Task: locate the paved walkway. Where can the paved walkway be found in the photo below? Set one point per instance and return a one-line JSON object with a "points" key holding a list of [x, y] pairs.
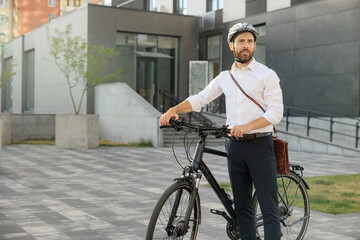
{"points": [[109, 193]]}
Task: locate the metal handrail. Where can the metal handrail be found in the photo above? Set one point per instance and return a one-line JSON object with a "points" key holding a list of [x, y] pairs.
{"points": [[290, 111], [166, 95]]}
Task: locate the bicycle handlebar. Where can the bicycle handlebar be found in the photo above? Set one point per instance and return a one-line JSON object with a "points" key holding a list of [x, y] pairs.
{"points": [[178, 125]]}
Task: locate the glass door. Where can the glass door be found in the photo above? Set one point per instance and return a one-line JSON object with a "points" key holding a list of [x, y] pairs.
{"points": [[147, 79]]}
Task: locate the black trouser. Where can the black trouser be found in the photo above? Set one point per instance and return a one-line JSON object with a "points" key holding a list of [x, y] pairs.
{"points": [[253, 161]]}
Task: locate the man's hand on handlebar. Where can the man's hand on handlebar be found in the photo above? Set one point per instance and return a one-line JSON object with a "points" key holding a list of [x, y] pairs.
{"points": [[239, 130], [165, 118]]}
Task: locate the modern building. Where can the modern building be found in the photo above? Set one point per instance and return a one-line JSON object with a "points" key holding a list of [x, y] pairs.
{"points": [[17, 17], [6, 21], [180, 45]]}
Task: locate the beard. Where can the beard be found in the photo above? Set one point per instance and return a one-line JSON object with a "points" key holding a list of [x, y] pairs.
{"points": [[243, 56]]}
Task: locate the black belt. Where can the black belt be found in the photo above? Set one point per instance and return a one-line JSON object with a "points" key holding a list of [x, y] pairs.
{"points": [[248, 137]]}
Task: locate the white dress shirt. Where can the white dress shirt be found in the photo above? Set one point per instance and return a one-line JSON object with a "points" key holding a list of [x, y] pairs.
{"points": [[259, 82]]}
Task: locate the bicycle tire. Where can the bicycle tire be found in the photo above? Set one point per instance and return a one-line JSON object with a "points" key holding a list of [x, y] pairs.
{"points": [[289, 184], [158, 224]]}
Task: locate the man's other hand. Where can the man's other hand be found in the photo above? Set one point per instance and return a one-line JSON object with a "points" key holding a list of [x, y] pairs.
{"points": [[165, 118]]}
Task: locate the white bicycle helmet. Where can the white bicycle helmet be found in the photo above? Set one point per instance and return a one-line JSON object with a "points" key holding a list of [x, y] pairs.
{"points": [[241, 27]]}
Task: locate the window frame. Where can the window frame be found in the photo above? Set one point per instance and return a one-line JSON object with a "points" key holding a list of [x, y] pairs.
{"points": [[50, 16], [180, 7], [51, 3], [210, 6]]}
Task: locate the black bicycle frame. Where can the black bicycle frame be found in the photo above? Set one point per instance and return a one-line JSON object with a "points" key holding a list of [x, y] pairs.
{"points": [[220, 193]]}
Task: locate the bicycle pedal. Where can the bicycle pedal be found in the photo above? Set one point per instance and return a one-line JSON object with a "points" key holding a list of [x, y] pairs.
{"points": [[217, 212]]}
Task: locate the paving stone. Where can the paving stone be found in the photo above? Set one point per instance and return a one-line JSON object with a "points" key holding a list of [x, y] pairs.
{"points": [[109, 193]]}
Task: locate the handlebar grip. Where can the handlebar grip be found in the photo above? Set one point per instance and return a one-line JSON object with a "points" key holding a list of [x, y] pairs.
{"points": [[172, 120], [164, 126]]}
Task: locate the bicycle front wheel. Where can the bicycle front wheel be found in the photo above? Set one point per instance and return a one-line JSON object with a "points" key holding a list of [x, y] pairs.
{"points": [[294, 208], [167, 219]]}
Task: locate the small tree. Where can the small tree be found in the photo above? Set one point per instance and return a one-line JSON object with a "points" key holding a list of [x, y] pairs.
{"points": [[6, 75], [80, 62]]}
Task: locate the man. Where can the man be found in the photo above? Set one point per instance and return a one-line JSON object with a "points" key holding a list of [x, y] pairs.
{"points": [[251, 158]]}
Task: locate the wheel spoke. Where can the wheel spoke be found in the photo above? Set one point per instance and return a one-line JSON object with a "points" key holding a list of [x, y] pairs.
{"points": [[167, 220], [294, 208]]}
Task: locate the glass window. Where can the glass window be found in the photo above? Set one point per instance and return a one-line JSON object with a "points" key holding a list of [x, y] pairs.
{"points": [[2, 38], [180, 7], [261, 29], [150, 5], [30, 65], [51, 16], [160, 5], [214, 59], [4, 3], [260, 51], [213, 5], [126, 60], [146, 43], [52, 3], [107, 2], [7, 89], [149, 64], [213, 47], [77, 3]]}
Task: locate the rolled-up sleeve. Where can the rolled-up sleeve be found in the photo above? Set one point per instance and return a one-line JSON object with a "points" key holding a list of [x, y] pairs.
{"points": [[211, 92], [273, 99]]}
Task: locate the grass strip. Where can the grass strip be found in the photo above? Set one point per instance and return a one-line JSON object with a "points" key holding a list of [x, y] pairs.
{"points": [[34, 142], [337, 194]]}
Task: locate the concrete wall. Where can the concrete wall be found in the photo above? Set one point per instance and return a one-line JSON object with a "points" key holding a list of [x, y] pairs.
{"points": [[6, 130], [313, 145], [32, 126], [196, 7], [125, 116], [272, 5], [231, 13]]}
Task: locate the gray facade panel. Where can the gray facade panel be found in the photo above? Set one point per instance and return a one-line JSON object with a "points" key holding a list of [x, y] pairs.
{"points": [[339, 58], [328, 29], [282, 61], [255, 7], [280, 36], [317, 8], [280, 16], [334, 93]]}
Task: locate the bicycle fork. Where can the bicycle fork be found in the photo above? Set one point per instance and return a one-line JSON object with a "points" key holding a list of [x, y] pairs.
{"points": [[191, 201]]}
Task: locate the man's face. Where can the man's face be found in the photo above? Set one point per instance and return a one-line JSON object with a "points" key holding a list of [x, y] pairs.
{"points": [[243, 46]]}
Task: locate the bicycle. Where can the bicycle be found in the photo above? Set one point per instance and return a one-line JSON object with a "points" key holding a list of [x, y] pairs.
{"points": [[177, 214]]}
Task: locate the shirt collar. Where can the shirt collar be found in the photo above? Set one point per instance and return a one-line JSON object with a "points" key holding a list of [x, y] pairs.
{"points": [[251, 66]]}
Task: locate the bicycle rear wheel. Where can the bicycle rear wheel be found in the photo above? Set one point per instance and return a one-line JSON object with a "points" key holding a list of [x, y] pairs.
{"points": [[167, 218], [294, 208]]}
